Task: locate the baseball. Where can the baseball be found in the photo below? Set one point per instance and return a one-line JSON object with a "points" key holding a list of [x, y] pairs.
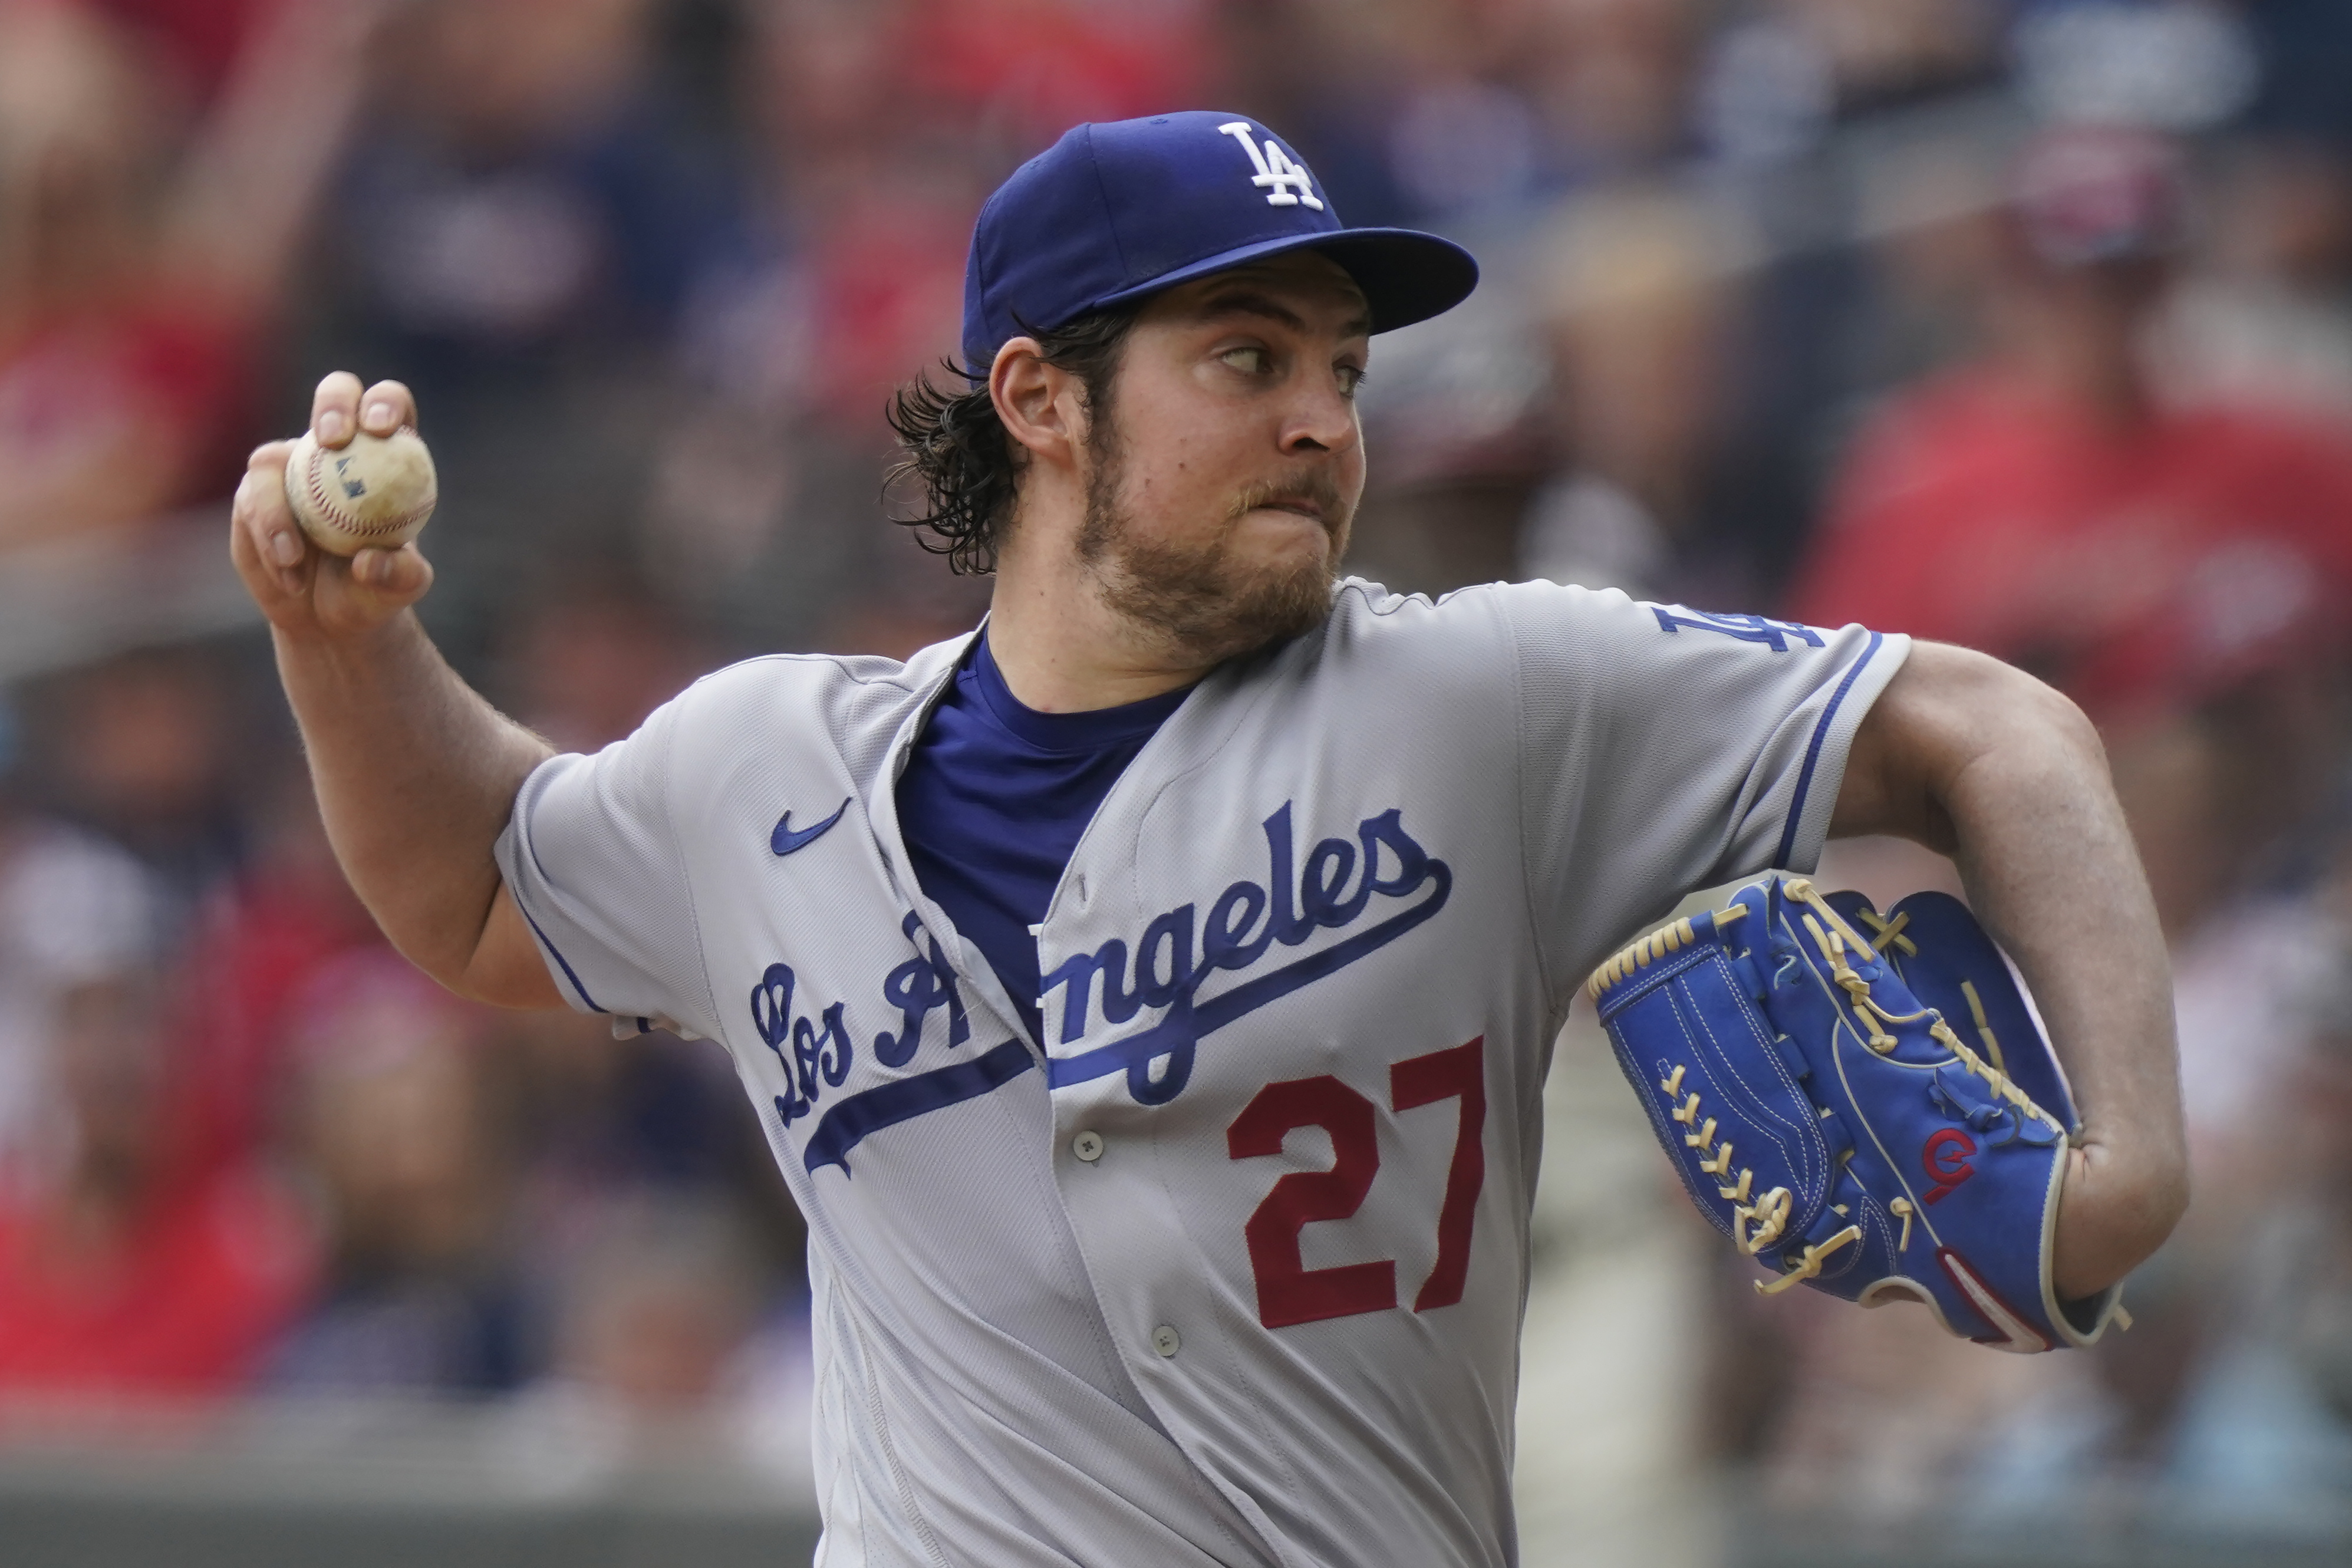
{"points": [[375, 492]]}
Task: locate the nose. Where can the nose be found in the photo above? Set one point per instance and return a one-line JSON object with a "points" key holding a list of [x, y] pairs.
{"points": [[1319, 418]]}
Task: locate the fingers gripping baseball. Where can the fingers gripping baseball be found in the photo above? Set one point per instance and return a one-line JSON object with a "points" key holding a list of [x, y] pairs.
{"points": [[302, 587], [340, 407]]}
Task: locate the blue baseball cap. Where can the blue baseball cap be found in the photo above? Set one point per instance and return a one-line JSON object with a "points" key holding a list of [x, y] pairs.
{"points": [[1121, 209]]}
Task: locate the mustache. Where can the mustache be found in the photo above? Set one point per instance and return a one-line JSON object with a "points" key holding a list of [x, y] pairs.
{"points": [[1316, 490]]}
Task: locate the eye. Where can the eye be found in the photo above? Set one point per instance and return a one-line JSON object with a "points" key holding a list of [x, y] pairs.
{"points": [[1352, 379], [1248, 361]]}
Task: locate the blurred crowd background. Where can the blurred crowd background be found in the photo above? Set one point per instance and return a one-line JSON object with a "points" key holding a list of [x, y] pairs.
{"points": [[2020, 323]]}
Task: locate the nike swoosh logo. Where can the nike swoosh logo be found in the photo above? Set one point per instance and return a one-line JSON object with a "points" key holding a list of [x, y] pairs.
{"points": [[784, 840]]}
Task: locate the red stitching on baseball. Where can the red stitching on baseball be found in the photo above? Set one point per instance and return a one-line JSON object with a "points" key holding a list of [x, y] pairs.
{"points": [[334, 513]]}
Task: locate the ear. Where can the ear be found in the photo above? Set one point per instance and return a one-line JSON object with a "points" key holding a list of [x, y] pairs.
{"points": [[1041, 405]]}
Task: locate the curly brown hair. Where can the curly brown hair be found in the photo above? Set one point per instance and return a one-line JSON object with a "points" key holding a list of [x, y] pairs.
{"points": [[957, 448]]}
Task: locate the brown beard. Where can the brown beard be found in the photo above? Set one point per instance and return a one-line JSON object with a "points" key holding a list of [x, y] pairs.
{"points": [[1192, 595]]}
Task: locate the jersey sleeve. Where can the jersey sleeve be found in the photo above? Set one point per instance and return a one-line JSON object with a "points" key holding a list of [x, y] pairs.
{"points": [[594, 866], [1664, 749]]}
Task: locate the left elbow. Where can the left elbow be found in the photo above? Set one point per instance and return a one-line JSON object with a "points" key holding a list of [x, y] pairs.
{"points": [[2060, 720], [2149, 1190], [2006, 707]]}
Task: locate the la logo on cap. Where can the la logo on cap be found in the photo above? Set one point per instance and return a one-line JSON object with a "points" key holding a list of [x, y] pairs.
{"points": [[1121, 209], [1286, 183]]}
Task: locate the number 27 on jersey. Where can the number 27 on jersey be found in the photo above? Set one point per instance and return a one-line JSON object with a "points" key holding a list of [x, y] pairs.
{"points": [[1287, 1291]]}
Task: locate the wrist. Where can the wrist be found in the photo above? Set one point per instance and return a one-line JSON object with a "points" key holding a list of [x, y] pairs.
{"points": [[346, 651]]}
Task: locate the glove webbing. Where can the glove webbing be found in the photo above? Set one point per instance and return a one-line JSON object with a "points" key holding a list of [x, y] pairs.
{"points": [[1834, 943], [1890, 935]]}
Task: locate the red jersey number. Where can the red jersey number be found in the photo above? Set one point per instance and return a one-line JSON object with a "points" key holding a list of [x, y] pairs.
{"points": [[1287, 1291]]}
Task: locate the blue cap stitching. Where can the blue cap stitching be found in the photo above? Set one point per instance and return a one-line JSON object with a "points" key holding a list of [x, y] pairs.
{"points": [[1110, 217]]}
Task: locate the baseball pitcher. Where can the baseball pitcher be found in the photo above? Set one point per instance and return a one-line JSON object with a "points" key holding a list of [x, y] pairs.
{"points": [[1148, 994]]}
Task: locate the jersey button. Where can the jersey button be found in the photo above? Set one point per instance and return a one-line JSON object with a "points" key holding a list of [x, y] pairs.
{"points": [[1087, 1146], [1166, 1340]]}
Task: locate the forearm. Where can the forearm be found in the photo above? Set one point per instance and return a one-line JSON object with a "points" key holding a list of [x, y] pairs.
{"points": [[415, 776], [2005, 775], [2051, 871]]}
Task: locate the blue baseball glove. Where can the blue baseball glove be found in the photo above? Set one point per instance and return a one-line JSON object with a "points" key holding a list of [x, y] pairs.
{"points": [[1803, 1078]]}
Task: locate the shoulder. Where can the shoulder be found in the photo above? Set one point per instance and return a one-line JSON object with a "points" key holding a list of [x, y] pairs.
{"points": [[1365, 612], [1395, 643], [1514, 623], [1537, 623], [837, 692], [1470, 647], [788, 714], [808, 678]]}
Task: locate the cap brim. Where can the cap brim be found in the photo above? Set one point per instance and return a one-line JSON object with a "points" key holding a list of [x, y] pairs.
{"points": [[1406, 276]]}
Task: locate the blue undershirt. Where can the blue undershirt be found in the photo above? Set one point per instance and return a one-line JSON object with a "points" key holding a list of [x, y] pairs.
{"points": [[994, 798]]}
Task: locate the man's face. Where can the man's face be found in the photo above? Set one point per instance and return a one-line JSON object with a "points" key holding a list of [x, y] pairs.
{"points": [[1227, 464]]}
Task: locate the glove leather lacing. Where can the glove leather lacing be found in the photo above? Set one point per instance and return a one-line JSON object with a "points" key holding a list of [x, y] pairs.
{"points": [[1768, 1213], [1841, 938]]}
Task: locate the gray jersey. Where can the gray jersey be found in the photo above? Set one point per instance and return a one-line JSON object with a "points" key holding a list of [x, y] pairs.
{"points": [[1231, 1270]]}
